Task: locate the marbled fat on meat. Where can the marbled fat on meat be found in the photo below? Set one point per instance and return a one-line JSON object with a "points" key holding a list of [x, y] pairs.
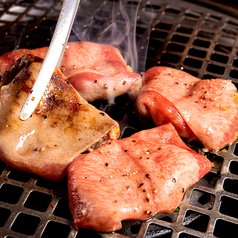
{"points": [[204, 110], [132, 179], [97, 71], [62, 126]]}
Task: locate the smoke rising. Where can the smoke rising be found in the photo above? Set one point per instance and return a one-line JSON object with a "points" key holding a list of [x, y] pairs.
{"points": [[113, 23]]}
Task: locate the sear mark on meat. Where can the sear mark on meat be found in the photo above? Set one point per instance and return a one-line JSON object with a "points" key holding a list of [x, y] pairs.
{"points": [[62, 126]]}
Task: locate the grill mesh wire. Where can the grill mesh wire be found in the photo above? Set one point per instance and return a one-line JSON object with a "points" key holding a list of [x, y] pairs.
{"points": [[183, 35]]}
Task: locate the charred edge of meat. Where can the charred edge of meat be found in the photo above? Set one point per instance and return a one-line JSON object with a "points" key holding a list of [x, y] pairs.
{"points": [[56, 101], [61, 84], [20, 64], [102, 141]]}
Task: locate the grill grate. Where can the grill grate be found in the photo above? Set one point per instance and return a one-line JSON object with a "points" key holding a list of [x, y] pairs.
{"points": [[186, 36]]}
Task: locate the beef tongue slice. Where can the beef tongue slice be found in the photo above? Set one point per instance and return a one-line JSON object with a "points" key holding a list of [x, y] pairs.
{"points": [[97, 71], [62, 126], [132, 179], [204, 110]]}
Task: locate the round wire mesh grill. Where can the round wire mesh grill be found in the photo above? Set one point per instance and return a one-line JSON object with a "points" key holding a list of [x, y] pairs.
{"points": [[180, 34]]}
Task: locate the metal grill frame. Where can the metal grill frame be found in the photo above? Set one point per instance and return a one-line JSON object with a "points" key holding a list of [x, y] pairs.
{"points": [[190, 36]]}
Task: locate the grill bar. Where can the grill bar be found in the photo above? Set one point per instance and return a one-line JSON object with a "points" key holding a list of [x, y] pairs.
{"points": [[197, 37]]}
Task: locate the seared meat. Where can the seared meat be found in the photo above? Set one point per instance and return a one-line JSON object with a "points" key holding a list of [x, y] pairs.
{"points": [[62, 126], [203, 110], [97, 71], [132, 179]]}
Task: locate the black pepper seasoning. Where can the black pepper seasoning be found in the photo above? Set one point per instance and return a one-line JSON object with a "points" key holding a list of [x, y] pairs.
{"points": [[54, 98], [141, 184], [148, 176]]}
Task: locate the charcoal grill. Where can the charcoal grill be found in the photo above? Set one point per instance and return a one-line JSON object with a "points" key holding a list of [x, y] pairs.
{"points": [[199, 37]]}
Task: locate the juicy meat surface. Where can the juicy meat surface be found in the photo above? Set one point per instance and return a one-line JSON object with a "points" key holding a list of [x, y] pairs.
{"points": [[132, 179], [204, 110], [62, 126], [97, 71]]}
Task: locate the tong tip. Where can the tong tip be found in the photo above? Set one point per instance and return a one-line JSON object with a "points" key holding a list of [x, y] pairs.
{"points": [[23, 116], [27, 110]]}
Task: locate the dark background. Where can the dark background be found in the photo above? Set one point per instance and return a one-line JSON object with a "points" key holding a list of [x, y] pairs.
{"points": [[230, 3]]}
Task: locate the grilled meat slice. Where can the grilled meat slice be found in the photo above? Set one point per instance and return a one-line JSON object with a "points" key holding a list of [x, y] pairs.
{"points": [[204, 110], [132, 178], [97, 71], [62, 126]]}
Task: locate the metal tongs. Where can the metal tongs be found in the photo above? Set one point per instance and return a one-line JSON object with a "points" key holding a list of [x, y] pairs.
{"points": [[53, 56]]}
